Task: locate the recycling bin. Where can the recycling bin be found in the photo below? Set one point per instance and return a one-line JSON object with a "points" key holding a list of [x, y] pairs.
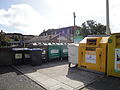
{"points": [[113, 59], [73, 54], [44, 46], [18, 56], [93, 53], [26, 55], [63, 51], [53, 51], [36, 54]]}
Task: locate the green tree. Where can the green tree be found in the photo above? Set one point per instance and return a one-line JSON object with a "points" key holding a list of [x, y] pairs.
{"points": [[4, 40], [91, 27]]}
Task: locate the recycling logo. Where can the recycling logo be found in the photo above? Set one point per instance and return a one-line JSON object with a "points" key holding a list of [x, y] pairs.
{"points": [[77, 32]]}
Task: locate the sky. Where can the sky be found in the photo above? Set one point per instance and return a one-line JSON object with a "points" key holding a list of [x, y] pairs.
{"points": [[34, 16]]}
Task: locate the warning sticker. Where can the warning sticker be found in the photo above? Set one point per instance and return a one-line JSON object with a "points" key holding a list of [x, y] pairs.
{"points": [[117, 60], [90, 57]]}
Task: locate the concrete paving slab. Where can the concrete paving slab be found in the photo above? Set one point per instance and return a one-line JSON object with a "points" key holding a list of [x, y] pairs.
{"points": [[69, 82], [61, 87], [50, 82], [55, 71], [59, 76], [38, 76]]}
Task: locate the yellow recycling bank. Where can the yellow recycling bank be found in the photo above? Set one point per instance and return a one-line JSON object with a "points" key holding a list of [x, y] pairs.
{"points": [[92, 53], [101, 54], [113, 59]]}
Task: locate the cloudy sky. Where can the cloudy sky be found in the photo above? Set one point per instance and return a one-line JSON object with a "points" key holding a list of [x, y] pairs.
{"points": [[33, 16]]}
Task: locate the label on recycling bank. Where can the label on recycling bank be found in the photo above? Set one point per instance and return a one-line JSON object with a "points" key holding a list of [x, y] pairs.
{"points": [[117, 60], [18, 56], [65, 50], [54, 51], [90, 57], [27, 55]]}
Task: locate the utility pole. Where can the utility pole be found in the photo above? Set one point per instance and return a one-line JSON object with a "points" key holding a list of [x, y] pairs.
{"points": [[59, 33], [74, 16], [108, 32]]}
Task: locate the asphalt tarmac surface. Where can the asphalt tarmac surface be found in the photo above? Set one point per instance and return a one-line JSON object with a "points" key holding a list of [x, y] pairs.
{"points": [[11, 79]]}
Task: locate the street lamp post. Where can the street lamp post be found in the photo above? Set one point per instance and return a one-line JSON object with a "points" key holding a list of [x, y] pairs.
{"points": [[108, 32]]}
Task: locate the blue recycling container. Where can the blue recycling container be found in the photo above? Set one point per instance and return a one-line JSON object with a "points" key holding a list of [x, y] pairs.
{"points": [[18, 56], [36, 54]]}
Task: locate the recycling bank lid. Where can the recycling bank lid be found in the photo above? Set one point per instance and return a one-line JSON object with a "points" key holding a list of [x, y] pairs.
{"points": [[17, 49], [36, 49]]}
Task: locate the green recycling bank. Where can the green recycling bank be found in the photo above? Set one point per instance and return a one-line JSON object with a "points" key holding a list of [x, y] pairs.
{"points": [[53, 51]]}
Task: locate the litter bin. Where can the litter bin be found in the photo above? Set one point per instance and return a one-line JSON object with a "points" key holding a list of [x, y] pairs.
{"points": [[18, 56], [53, 51], [113, 59], [73, 54], [26, 55], [92, 53], [36, 54], [63, 51]]}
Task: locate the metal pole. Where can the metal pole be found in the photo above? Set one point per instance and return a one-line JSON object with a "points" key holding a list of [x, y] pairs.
{"points": [[74, 25], [59, 33], [59, 37], [108, 32]]}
